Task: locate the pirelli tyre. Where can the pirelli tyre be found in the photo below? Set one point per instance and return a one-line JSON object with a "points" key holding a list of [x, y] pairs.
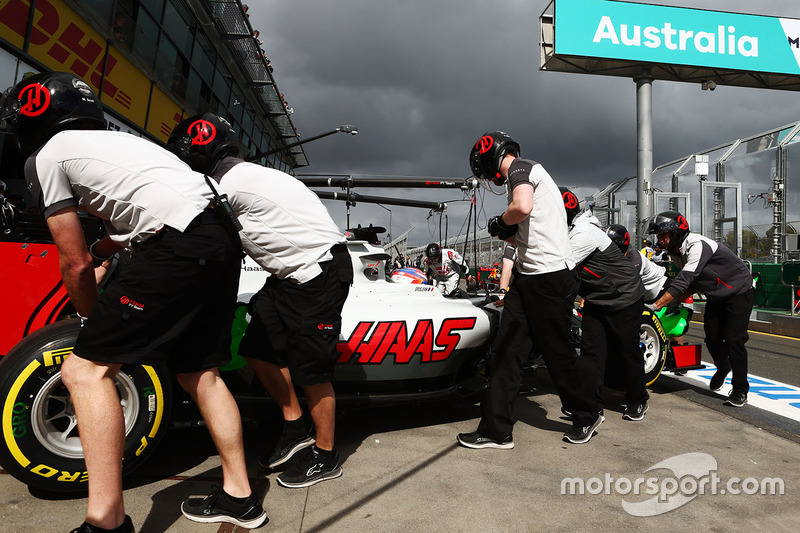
{"points": [[40, 444], [653, 345]]}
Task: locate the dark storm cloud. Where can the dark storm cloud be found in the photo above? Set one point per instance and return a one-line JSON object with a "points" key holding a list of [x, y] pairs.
{"points": [[422, 80]]}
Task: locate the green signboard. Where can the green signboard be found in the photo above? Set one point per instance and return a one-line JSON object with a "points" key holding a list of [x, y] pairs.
{"points": [[678, 36]]}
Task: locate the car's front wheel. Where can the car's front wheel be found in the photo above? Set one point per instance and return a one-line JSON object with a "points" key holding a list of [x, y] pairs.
{"points": [[653, 344], [40, 442]]}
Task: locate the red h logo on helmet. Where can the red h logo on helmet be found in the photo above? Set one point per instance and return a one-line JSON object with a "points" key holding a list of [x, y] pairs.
{"points": [[570, 200], [202, 132], [484, 144], [682, 223], [34, 100]]}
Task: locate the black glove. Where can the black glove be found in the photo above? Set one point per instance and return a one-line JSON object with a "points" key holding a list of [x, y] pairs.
{"points": [[498, 228], [6, 215]]}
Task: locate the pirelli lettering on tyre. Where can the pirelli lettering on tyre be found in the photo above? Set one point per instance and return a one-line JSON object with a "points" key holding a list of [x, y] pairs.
{"points": [[141, 448], [657, 323], [60, 475], [371, 342], [56, 357]]}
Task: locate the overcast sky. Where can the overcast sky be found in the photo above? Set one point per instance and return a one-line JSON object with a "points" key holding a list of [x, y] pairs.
{"points": [[423, 79]]}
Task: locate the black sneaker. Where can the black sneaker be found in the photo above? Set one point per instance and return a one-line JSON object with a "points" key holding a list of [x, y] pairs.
{"points": [[477, 441], [635, 411], [582, 434], [125, 527], [310, 468], [220, 507], [288, 444], [718, 379], [568, 414], [736, 399]]}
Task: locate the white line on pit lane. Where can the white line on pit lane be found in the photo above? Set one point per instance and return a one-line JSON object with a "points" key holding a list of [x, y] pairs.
{"points": [[773, 396]]}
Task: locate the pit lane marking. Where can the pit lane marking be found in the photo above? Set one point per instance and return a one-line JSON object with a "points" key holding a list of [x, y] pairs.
{"points": [[756, 332], [770, 395]]}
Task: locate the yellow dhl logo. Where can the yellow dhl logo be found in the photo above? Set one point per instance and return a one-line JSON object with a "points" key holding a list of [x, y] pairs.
{"points": [[56, 357]]}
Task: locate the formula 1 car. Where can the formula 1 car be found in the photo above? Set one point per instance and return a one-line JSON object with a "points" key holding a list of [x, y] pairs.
{"points": [[399, 342]]}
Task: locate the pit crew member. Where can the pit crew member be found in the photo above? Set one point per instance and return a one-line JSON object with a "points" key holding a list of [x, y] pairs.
{"points": [[444, 268], [612, 291], [716, 271], [538, 306], [297, 313]]}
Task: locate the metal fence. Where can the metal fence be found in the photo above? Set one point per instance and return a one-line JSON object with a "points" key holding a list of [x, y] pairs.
{"points": [[744, 194]]}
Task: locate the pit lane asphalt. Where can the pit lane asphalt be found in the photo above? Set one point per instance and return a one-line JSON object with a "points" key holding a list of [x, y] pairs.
{"points": [[404, 472]]}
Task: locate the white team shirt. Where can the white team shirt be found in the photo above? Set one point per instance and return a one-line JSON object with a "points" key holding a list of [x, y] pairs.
{"points": [[285, 227], [542, 239], [451, 264], [653, 276], [133, 185]]}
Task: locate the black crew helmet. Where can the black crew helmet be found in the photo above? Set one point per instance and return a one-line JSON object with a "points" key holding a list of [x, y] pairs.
{"points": [[433, 251], [620, 236], [41, 105], [201, 141], [571, 204], [671, 222], [487, 154]]}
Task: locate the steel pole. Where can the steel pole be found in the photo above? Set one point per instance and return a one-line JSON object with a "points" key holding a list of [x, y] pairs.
{"points": [[644, 151]]}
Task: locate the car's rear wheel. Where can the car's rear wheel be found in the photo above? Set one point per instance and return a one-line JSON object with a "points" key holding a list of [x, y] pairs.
{"points": [[40, 442]]}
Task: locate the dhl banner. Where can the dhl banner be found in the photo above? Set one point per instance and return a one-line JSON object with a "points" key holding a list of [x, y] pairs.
{"points": [[63, 41], [164, 114]]}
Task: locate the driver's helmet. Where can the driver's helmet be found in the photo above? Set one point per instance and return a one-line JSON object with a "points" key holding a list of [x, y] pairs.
{"points": [[620, 236], [433, 252], [673, 223], [41, 105], [201, 141], [414, 276], [571, 204], [487, 154]]}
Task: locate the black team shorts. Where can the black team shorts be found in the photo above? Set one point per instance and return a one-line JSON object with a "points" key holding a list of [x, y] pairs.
{"points": [[298, 325], [173, 302]]}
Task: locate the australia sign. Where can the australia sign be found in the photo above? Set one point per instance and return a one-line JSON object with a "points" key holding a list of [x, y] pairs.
{"points": [[644, 33]]}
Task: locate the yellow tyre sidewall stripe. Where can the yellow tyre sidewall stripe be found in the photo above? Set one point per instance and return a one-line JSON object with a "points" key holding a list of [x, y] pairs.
{"points": [[159, 399], [8, 411]]}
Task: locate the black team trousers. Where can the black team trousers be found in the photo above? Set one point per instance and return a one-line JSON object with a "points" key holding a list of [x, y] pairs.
{"points": [[537, 315]]}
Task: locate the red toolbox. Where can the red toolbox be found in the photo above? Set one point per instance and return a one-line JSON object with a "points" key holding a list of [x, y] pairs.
{"points": [[687, 356]]}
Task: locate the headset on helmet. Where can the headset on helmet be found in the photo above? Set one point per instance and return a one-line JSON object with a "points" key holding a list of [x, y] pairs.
{"points": [[41, 105], [571, 204], [620, 236], [433, 251], [202, 141], [487, 154], [673, 223]]}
